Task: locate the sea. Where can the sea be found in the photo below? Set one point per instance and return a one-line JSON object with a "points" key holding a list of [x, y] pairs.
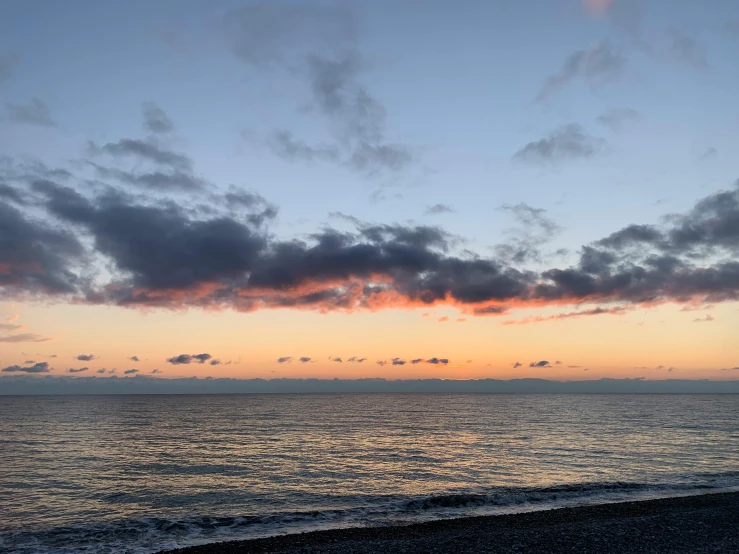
{"points": [[144, 473]]}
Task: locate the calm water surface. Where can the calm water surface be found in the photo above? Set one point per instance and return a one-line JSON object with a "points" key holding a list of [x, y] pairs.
{"points": [[141, 473]]}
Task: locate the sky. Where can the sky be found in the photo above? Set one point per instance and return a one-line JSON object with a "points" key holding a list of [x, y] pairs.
{"points": [[405, 190]]}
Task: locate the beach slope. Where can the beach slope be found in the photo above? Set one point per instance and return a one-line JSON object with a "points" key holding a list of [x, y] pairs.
{"points": [[695, 524]]}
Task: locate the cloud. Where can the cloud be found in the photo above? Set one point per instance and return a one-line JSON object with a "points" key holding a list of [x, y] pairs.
{"points": [[709, 154], [574, 366], [517, 365], [40, 367], [215, 362], [284, 360], [36, 112], [23, 337], [597, 65], [145, 151], [568, 142], [189, 358], [357, 360], [437, 361], [708, 318], [437, 209], [686, 50], [398, 361], [86, 357], [164, 254], [155, 371], [101, 370], [443, 319], [618, 118], [526, 240], [155, 119], [130, 371], [318, 46], [304, 359], [618, 310], [79, 370], [417, 361], [558, 362], [337, 360], [542, 363], [134, 359], [381, 362]]}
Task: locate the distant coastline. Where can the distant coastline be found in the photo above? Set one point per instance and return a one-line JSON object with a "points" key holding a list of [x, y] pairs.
{"points": [[28, 385]]}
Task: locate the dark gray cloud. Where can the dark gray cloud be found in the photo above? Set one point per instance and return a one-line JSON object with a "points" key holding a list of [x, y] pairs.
{"points": [[164, 254], [438, 209], [155, 371], [134, 359], [541, 363], [284, 360], [337, 360], [356, 360], [568, 142], [101, 370], [153, 181], [597, 65], [189, 358], [318, 45], [253, 207], [398, 361], [78, 370], [40, 367], [305, 359], [11, 194], [130, 372], [417, 361], [215, 362], [438, 361], [686, 50], [86, 357], [517, 365], [155, 119], [36, 112], [616, 119]]}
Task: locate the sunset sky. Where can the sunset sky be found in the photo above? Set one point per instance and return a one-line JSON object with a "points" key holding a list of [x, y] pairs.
{"points": [[530, 188]]}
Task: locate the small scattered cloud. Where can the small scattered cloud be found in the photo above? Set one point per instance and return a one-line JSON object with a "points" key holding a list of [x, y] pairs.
{"points": [[443, 319], [574, 366], [461, 319], [437, 361], [517, 365], [78, 370], [36, 112], [597, 65], [101, 370], [437, 209], [130, 372], [354, 359], [381, 362], [686, 50], [618, 118], [285, 360], [569, 142], [558, 362], [24, 337], [184, 359], [398, 361], [86, 357], [40, 367], [155, 119], [709, 154], [542, 363], [155, 371], [305, 359], [215, 362], [705, 319], [134, 359], [337, 360]]}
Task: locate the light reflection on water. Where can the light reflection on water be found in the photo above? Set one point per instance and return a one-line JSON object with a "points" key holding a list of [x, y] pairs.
{"points": [[75, 460]]}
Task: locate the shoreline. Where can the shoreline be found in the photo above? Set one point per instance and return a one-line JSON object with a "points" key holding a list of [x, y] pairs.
{"points": [[697, 523]]}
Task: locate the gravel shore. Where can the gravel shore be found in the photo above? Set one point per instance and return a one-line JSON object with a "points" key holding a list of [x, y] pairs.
{"points": [[695, 524]]}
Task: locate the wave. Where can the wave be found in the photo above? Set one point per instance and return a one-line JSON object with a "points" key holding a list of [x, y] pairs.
{"points": [[146, 535]]}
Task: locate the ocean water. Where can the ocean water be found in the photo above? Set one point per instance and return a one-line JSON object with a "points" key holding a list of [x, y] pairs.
{"points": [[144, 473]]}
